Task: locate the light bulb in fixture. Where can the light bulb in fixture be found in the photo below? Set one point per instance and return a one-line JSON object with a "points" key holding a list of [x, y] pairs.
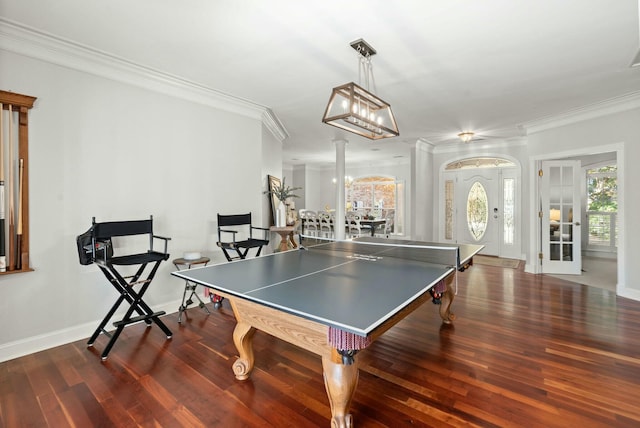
{"points": [[362, 103], [466, 136]]}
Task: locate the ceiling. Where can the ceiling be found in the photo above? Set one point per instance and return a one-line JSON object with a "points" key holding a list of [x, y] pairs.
{"points": [[445, 66]]}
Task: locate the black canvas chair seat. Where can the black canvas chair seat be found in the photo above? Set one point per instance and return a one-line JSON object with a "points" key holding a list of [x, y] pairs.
{"points": [[242, 245], [95, 246], [136, 259]]}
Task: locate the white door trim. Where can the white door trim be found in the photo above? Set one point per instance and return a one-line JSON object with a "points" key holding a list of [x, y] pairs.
{"points": [[533, 264], [514, 250]]}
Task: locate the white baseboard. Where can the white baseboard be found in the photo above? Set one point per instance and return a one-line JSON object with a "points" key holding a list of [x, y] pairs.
{"points": [[531, 268], [20, 348], [629, 293]]}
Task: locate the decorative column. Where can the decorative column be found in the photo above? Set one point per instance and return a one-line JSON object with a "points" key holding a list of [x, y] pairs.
{"points": [[340, 206]]}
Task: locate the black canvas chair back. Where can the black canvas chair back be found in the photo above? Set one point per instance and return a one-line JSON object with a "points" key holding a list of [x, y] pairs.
{"points": [[96, 246], [104, 232], [236, 233]]}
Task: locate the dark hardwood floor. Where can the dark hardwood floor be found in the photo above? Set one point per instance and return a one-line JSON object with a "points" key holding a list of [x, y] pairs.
{"points": [[524, 351]]}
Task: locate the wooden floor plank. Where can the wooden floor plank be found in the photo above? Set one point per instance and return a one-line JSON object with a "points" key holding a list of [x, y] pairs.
{"points": [[525, 350]]}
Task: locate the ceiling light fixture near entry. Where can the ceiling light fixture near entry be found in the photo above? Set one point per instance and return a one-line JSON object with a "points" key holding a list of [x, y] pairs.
{"points": [[466, 136], [355, 109]]}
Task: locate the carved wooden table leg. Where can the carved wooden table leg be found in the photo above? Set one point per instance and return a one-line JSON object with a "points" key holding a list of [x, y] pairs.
{"points": [[447, 299], [242, 337], [340, 380], [292, 240]]}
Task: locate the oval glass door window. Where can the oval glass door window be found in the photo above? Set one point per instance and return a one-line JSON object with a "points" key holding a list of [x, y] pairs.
{"points": [[477, 211]]}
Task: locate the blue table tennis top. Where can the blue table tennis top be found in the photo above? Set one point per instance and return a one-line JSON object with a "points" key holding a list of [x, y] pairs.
{"points": [[347, 285]]}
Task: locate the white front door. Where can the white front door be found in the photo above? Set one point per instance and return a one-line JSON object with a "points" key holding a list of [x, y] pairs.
{"points": [[481, 205], [560, 214], [479, 209]]}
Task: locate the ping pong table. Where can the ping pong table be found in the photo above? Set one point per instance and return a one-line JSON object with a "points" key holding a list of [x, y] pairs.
{"points": [[333, 299]]}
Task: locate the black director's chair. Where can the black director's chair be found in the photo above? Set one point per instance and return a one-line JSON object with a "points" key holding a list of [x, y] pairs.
{"points": [[95, 247], [228, 228]]}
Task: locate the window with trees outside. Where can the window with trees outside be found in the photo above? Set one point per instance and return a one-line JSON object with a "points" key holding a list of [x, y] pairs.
{"points": [[602, 208], [377, 196]]}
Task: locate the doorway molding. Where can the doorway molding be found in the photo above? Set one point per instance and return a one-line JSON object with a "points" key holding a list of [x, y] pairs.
{"points": [[533, 263], [518, 250]]}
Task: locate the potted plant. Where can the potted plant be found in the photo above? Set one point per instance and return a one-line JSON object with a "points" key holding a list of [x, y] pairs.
{"points": [[282, 192]]}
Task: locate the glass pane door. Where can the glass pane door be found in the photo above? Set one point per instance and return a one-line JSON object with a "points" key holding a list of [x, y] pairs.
{"points": [[560, 188]]}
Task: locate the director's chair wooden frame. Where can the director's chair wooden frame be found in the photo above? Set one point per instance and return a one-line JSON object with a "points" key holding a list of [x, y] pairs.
{"points": [[102, 256]]}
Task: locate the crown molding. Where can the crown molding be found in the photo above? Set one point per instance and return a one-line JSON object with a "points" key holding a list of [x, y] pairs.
{"points": [[480, 145], [425, 145], [33, 43], [603, 108], [273, 124]]}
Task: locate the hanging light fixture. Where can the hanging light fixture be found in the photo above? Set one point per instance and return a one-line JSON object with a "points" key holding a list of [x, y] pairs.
{"points": [[348, 180], [353, 108], [466, 136]]}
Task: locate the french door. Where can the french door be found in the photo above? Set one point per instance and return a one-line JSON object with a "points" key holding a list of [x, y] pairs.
{"points": [[560, 217]]}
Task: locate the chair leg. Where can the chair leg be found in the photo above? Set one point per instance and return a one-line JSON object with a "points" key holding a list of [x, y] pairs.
{"points": [[226, 254], [185, 302], [190, 287], [201, 303], [104, 322], [117, 283], [149, 314], [127, 292], [112, 341]]}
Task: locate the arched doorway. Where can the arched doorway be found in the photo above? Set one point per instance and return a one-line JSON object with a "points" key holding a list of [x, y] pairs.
{"points": [[480, 204]]}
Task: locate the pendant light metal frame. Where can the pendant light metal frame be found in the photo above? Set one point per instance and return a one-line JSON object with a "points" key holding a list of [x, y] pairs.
{"points": [[354, 108]]}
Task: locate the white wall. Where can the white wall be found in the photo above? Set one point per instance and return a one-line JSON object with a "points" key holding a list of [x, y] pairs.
{"points": [[107, 149], [319, 189], [271, 165], [605, 134], [298, 179]]}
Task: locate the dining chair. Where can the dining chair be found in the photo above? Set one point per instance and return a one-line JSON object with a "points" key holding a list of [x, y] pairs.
{"points": [[353, 224], [310, 222], [325, 224]]}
